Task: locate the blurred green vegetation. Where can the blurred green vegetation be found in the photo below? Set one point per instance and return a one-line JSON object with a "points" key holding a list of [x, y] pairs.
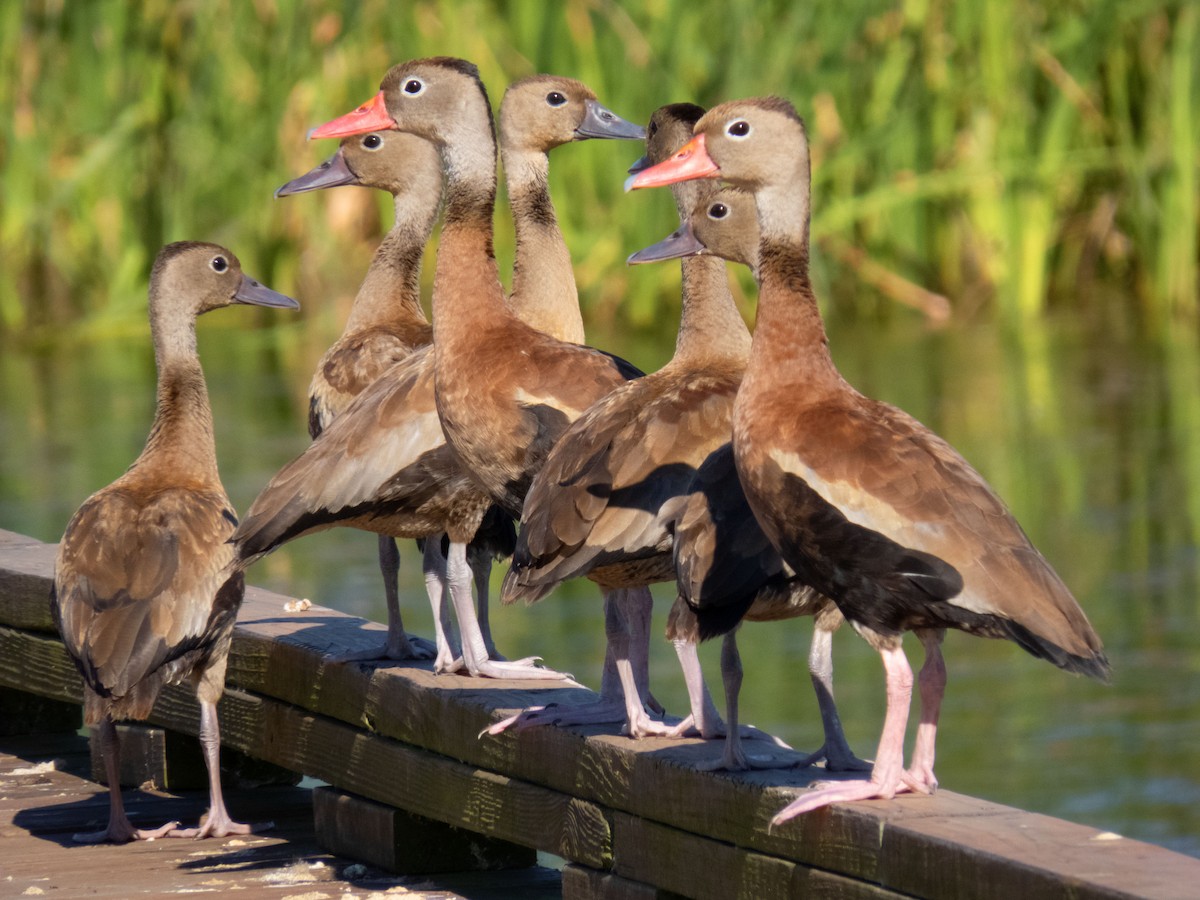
{"points": [[1008, 154]]}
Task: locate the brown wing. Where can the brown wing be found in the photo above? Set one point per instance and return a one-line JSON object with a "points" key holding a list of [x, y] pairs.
{"points": [[886, 472], [503, 428], [383, 465], [352, 364], [607, 491], [135, 579]]}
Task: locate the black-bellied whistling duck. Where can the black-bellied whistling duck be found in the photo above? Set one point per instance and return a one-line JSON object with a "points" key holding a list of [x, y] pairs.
{"points": [[725, 567], [538, 114], [145, 587], [865, 503], [386, 466], [505, 391], [386, 322], [602, 504]]}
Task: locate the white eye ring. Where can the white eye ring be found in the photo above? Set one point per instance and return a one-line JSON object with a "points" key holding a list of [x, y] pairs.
{"points": [[718, 211], [219, 264], [738, 130], [372, 142], [414, 87]]}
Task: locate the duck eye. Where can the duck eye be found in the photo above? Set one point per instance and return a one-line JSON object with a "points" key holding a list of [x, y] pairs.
{"points": [[718, 211], [372, 142], [738, 129], [414, 86], [653, 129], [555, 98], [219, 264]]}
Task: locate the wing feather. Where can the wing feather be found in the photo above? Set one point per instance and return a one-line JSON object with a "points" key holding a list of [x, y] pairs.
{"points": [[886, 472], [609, 487], [135, 580]]}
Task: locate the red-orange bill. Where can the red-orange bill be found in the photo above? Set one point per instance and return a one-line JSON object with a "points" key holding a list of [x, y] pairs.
{"points": [[371, 116], [690, 161]]}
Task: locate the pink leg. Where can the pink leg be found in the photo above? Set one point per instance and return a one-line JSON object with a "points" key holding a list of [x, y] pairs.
{"points": [[481, 570], [887, 775], [704, 718], [624, 692], [611, 705], [633, 662], [932, 683], [433, 565], [475, 653], [119, 829], [217, 823], [615, 632]]}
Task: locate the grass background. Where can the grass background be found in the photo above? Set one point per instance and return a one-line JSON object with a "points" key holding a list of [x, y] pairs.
{"points": [[1008, 154]]}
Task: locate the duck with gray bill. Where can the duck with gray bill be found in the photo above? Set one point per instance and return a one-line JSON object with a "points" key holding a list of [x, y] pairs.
{"points": [[146, 583]]}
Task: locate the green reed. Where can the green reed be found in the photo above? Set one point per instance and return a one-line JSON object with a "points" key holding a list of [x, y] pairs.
{"points": [[1007, 154]]}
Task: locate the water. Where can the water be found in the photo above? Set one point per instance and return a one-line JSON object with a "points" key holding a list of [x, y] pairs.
{"points": [[1088, 429]]}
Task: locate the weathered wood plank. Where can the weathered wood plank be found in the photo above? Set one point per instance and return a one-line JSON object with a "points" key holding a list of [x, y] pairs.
{"points": [[416, 780], [1013, 853], [398, 841], [286, 862], [284, 656], [24, 713], [38, 664], [653, 778], [699, 867], [26, 573], [582, 883]]}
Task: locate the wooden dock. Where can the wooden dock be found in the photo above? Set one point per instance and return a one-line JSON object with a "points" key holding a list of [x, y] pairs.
{"points": [[633, 819], [45, 796]]}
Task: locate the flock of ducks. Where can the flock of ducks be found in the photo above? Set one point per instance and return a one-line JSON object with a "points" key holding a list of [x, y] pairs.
{"points": [[746, 469]]}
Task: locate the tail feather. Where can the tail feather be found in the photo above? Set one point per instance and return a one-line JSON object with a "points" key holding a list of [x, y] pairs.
{"points": [[1094, 666], [259, 535], [512, 590]]}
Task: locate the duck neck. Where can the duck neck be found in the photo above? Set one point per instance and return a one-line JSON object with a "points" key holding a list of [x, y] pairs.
{"points": [[790, 345], [391, 291], [544, 293], [467, 295], [182, 434], [710, 326]]}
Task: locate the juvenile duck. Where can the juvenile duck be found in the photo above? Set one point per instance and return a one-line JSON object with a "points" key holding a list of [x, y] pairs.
{"points": [[602, 504], [386, 322], [145, 586], [538, 114]]}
